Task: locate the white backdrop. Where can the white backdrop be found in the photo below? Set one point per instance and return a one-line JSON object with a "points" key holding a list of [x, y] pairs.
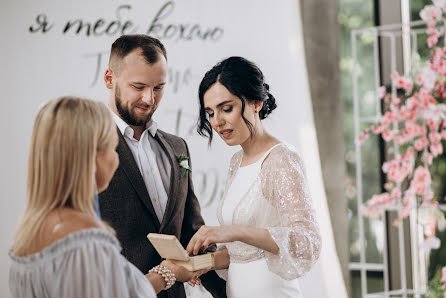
{"points": [[54, 48]]}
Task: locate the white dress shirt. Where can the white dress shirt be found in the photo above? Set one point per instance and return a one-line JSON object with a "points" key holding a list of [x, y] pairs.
{"points": [[152, 162]]}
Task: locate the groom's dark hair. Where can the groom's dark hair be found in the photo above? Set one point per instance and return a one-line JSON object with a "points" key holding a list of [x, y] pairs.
{"points": [[151, 49]]}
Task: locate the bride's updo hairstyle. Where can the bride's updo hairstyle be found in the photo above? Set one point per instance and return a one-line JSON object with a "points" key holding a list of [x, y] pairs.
{"points": [[243, 79]]}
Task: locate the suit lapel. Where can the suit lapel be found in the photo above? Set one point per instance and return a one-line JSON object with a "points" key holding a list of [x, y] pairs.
{"points": [[128, 164], [174, 178]]}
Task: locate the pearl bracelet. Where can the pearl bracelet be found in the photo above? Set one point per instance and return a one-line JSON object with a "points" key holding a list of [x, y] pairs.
{"points": [[166, 273]]}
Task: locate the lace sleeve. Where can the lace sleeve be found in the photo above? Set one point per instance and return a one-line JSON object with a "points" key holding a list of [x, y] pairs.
{"points": [[297, 233]]}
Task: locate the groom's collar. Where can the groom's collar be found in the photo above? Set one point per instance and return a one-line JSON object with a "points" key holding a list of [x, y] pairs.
{"points": [[152, 125]]}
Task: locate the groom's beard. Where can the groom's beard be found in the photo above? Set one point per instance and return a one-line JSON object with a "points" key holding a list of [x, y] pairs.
{"points": [[129, 116]]}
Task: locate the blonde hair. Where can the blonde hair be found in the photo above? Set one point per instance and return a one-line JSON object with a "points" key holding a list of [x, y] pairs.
{"points": [[66, 135]]}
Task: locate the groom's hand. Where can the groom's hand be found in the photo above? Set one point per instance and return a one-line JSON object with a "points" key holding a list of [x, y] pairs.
{"points": [[207, 236]]}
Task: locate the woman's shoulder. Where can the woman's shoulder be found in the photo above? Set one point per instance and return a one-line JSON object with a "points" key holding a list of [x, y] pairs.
{"points": [[236, 158], [283, 156], [74, 241], [64, 221], [61, 223], [283, 152], [73, 220]]}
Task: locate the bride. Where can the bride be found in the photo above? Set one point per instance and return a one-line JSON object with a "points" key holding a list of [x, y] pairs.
{"points": [[268, 235]]}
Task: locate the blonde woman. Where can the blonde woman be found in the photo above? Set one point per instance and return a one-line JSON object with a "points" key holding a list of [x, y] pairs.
{"points": [[62, 249]]}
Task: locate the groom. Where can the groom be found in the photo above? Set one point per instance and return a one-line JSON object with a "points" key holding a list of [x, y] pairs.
{"points": [[151, 192]]}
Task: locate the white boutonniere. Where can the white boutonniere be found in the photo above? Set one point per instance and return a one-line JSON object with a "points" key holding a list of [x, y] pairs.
{"points": [[183, 161]]}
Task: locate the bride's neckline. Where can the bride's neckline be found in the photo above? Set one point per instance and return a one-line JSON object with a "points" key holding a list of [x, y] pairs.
{"points": [[265, 154]]}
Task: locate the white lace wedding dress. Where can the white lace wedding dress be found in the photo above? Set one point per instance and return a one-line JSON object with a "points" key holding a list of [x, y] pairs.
{"points": [[271, 193]]}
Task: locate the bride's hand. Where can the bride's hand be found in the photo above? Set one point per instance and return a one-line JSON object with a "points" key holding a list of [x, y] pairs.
{"points": [[207, 236], [194, 282]]}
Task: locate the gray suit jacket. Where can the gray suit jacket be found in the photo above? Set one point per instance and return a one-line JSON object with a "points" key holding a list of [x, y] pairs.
{"points": [[127, 207]]}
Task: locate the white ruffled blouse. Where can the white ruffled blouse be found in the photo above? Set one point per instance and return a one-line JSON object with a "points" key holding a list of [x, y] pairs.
{"points": [[279, 201], [86, 264]]}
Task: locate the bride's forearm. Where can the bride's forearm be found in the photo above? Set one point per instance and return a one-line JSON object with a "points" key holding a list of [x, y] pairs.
{"points": [[257, 237], [221, 259]]}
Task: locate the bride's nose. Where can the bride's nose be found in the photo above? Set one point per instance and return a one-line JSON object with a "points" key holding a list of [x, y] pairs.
{"points": [[219, 119]]}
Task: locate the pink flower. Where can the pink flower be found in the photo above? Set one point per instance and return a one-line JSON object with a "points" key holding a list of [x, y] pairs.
{"points": [[435, 137], [393, 165], [411, 129], [440, 4], [385, 122], [410, 103], [425, 98], [441, 67], [382, 92], [408, 84], [364, 135], [397, 175], [429, 195], [366, 212], [421, 179], [388, 135], [432, 124], [429, 78], [415, 120], [443, 275], [407, 200], [432, 31], [419, 189], [404, 213], [408, 154], [429, 158], [377, 129], [396, 193], [429, 228], [436, 149], [403, 113], [382, 199], [431, 41], [394, 75], [420, 144], [419, 80], [399, 140], [431, 24], [437, 57], [389, 116], [395, 100], [413, 116], [430, 13], [399, 82]]}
